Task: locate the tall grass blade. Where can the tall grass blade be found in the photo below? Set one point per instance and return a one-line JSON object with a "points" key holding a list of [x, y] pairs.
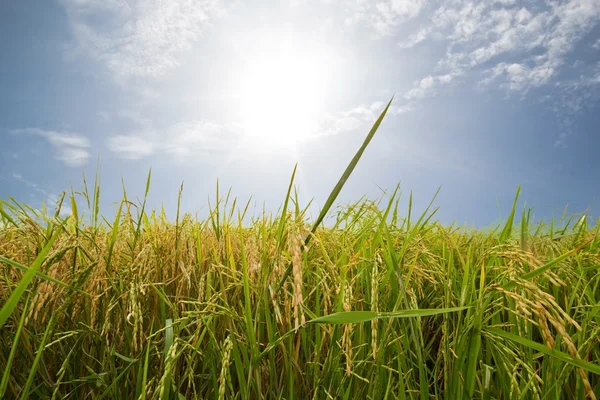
{"points": [[539, 271], [338, 187], [37, 274], [508, 227], [355, 317], [282, 221], [13, 300], [13, 350], [542, 348], [6, 216]]}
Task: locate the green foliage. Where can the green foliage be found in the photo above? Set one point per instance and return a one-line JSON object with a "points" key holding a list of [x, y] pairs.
{"points": [[375, 306]]}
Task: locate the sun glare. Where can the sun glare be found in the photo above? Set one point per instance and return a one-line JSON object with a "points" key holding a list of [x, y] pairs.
{"points": [[282, 95]]}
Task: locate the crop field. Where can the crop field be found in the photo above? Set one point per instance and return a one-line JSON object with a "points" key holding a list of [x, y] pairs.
{"points": [[376, 304]]}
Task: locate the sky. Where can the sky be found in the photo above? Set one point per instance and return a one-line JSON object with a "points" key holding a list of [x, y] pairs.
{"points": [[488, 95]]}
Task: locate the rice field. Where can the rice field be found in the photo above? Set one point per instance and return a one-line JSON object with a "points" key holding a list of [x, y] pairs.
{"points": [[377, 304]]}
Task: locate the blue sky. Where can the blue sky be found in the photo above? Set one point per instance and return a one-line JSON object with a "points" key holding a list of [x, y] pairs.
{"points": [[488, 95]]}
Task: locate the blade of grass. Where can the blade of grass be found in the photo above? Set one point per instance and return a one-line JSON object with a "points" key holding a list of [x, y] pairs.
{"points": [[338, 188], [507, 231], [281, 226], [355, 317], [13, 300], [251, 337], [96, 199], [168, 344], [113, 236], [547, 266], [38, 356], [6, 216], [542, 348], [144, 379], [113, 383], [140, 217], [37, 274], [13, 350]]}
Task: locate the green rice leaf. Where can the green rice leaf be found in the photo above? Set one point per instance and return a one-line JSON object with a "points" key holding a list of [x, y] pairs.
{"points": [[13, 300], [356, 317], [542, 348]]}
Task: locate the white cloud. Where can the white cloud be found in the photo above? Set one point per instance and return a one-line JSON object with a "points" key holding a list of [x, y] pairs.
{"points": [[130, 147], [383, 16], [209, 142], [569, 99], [189, 141], [133, 146], [415, 39], [536, 36], [360, 117], [519, 77], [351, 120], [65, 140], [397, 110], [426, 86], [73, 156], [513, 46], [18, 177], [71, 148], [137, 38], [200, 140]]}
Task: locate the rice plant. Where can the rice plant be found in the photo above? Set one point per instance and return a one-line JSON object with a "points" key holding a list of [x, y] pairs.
{"points": [[378, 304]]}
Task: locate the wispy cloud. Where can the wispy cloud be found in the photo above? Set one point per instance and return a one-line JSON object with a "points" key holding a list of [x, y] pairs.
{"points": [[18, 177], [134, 146], [71, 148], [509, 45], [351, 120], [73, 156], [200, 140], [188, 141], [383, 16], [572, 98], [536, 37], [139, 38], [130, 147], [414, 38], [357, 118], [207, 141], [519, 77], [426, 86]]}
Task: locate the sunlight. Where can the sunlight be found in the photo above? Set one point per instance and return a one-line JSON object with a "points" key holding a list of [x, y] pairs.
{"points": [[282, 93]]}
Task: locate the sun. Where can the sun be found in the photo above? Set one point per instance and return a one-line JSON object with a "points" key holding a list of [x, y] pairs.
{"points": [[283, 90]]}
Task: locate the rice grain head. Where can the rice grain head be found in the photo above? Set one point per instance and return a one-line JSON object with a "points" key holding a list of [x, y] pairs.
{"points": [[227, 346], [348, 328], [297, 300]]}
